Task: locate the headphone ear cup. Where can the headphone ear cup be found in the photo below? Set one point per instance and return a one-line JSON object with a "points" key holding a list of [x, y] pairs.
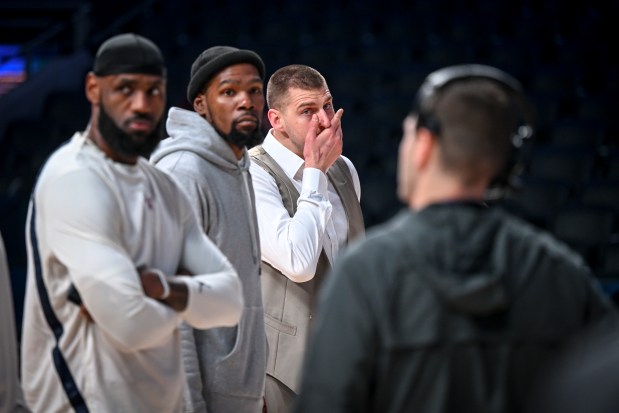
{"points": [[508, 179]]}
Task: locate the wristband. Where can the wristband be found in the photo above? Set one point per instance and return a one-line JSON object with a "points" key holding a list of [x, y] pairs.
{"points": [[164, 283]]}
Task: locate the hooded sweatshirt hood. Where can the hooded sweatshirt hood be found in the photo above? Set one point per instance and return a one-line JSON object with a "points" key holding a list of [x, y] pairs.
{"points": [[183, 126], [465, 263]]}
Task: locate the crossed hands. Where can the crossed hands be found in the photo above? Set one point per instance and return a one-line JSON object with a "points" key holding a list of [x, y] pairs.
{"points": [[150, 284], [322, 148]]}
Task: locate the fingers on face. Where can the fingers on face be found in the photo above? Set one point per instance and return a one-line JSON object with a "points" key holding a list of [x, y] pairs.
{"points": [[314, 129], [328, 139], [333, 142], [338, 115], [336, 121]]}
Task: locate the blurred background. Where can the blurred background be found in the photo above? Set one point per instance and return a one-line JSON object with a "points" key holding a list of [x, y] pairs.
{"points": [[374, 55]]}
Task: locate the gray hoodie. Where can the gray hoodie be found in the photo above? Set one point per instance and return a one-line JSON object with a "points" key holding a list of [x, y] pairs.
{"points": [[225, 367]]}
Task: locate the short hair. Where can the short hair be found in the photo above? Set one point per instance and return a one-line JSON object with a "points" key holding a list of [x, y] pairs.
{"points": [[299, 76], [477, 119]]}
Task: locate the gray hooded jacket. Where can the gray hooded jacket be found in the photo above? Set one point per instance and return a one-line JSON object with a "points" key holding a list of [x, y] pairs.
{"points": [[225, 367]]}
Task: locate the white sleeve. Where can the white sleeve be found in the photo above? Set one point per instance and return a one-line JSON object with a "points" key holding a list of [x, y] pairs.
{"points": [[292, 245], [80, 215], [215, 292]]}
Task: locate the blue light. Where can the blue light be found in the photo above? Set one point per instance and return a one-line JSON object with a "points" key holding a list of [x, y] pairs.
{"points": [[10, 63]]}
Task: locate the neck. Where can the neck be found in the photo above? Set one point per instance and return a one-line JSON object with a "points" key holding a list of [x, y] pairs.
{"points": [[238, 152], [445, 189]]}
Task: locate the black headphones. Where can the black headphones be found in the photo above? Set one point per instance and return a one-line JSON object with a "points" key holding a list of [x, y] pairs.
{"points": [[440, 79]]}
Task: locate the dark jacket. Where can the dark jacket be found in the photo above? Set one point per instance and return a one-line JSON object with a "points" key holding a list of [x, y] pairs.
{"points": [[456, 308]]}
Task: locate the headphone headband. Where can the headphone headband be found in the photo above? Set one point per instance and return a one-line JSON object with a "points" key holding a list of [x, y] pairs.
{"points": [[440, 79]]}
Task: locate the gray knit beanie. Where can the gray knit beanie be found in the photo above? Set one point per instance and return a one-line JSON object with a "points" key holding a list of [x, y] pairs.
{"points": [[215, 59]]}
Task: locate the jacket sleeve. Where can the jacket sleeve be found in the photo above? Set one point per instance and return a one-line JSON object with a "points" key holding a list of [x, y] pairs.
{"points": [[80, 215], [11, 390], [580, 286], [600, 308], [340, 361]]}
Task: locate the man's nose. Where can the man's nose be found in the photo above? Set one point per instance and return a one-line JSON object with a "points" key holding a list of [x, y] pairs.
{"points": [[323, 119], [246, 101], [140, 102]]}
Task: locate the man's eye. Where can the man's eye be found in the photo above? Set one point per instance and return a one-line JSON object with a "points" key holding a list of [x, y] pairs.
{"points": [[228, 92], [155, 91], [125, 90], [307, 112], [328, 106], [256, 91]]}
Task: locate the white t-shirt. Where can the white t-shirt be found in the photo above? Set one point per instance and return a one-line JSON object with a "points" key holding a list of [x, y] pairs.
{"points": [[92, 222]]}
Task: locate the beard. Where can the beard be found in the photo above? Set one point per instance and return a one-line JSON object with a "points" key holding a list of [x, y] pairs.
{"points": [[241, 139], [129, 144], [238, 138]]}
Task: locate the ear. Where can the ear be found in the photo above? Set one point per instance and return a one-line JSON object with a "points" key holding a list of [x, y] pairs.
{"points": [[424, 148], [93, 89], [276, 120], [200, 105]]}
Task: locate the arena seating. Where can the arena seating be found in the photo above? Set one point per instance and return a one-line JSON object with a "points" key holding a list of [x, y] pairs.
{"points": [[374, 57]]}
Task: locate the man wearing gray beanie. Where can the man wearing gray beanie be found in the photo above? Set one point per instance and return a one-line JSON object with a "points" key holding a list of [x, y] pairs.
{"points": [[207, 153]]}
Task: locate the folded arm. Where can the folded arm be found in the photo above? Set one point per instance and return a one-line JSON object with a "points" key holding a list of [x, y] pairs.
{"points": [[80, 216]]}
